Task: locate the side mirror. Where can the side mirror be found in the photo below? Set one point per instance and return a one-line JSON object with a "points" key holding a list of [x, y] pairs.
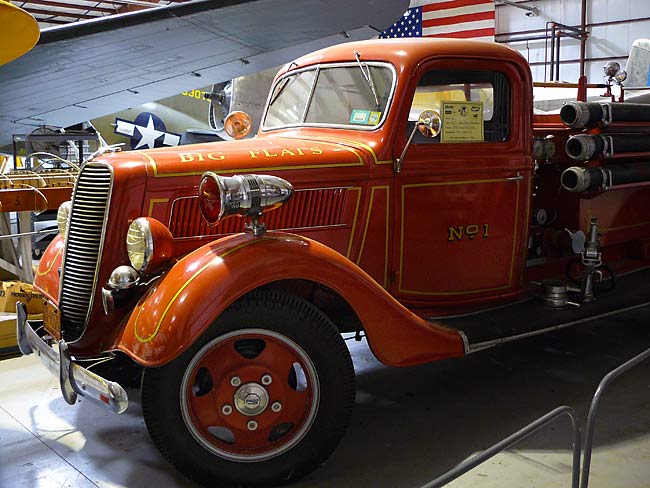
{"points": [[429, 124]]}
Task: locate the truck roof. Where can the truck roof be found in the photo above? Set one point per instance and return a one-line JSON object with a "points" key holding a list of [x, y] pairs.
{"points": [[408, 51]]}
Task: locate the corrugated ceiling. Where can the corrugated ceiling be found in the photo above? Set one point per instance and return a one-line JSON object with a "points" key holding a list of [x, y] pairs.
{"points": [[50, 13]]}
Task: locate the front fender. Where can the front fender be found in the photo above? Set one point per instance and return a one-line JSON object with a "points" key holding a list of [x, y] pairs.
{"points": [[47, 278], [192, 295]]}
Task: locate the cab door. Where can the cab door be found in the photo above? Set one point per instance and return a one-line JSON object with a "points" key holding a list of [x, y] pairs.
{"points": [[462, 197]]}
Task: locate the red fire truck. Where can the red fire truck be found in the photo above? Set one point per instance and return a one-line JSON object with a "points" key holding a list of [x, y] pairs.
{"points": [[401, 190]]}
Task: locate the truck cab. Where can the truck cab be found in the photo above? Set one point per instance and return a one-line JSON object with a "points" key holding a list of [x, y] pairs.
{"points": [[391, 191]]}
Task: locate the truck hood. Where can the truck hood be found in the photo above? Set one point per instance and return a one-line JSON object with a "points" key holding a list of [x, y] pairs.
{"points": [[260, 154]]}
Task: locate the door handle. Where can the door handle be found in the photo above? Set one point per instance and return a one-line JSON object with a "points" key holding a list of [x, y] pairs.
{"points": [[515, 178]]}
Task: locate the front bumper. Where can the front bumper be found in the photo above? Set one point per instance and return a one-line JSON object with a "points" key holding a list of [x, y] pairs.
{"points": [[74, 380]]}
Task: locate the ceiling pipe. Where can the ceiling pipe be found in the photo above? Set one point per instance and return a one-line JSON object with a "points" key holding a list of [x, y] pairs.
{"points": [[583, 38], [532, 11]]}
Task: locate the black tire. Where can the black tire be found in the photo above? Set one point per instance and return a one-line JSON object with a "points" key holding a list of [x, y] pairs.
{"points": [[261, 329], [37, 252]]}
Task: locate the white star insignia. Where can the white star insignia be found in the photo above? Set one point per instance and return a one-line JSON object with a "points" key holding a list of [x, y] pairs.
{"points": [[149, 135]]}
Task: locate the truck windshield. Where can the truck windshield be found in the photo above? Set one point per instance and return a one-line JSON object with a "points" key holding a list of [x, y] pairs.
{"points": [[331, 96]]}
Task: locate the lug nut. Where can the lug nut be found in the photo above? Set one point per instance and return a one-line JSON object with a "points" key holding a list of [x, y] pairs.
{"points": [[266, 379], [276, 407], [226, 409], [252, 425], [235, 381]]}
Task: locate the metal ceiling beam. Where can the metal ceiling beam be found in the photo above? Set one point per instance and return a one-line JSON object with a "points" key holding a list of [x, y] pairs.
{"points": [[73, 6], [532, 11], [51, 21], [140, 3], [51, 8], [57, 13]]}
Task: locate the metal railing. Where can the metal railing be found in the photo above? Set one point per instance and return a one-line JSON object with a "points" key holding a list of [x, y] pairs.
{"points": [[513, 439], [579, 478], [593, 409]]}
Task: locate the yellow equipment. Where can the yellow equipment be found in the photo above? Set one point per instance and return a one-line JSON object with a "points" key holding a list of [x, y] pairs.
{"points": [[20, 32]]}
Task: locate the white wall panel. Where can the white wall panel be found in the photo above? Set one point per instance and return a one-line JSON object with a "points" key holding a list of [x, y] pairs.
{"points": [[605, 41], [612, 10]]}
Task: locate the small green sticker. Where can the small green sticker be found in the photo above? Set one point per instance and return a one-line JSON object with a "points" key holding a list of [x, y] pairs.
{"points": [[359, 116], [374, 118]]}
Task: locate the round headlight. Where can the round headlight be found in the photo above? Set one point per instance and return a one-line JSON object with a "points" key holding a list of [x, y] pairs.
{"points": [[62, 217], [139, 244], [149, 245]]}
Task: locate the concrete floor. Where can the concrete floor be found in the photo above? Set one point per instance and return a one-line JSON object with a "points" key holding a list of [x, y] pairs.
{"points": [[409, 425]]}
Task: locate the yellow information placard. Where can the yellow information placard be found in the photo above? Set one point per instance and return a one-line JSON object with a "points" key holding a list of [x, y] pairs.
{"points": [[462, 122]]}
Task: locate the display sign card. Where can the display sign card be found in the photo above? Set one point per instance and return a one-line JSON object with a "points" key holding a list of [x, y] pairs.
{"points": [[462, 122]]}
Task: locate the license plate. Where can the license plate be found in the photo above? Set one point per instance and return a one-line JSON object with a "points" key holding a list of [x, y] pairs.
{"points": [[52, 320]]}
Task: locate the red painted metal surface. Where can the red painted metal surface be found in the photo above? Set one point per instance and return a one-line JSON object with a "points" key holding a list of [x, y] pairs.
{"points": [[163, 246], [221, 363], [448, 234], [46, 279], [202, 284], [307, 208]]}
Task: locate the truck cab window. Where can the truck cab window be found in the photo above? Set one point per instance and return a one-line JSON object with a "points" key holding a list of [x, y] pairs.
{"points": [[474, 106], [289, 98], [348, 95]]}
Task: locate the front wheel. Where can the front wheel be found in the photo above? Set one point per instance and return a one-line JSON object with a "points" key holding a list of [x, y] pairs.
{"points": [[263, 397]]}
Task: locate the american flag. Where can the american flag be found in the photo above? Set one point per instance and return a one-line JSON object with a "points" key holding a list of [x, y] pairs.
{"points": [[467, 19]]}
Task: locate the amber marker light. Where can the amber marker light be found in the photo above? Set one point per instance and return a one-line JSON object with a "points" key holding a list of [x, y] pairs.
{"points": [[238, 125]]}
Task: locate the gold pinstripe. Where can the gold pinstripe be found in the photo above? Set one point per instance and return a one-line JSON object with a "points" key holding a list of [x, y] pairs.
{"points": [[153, 201], [217, 259], [365, 231], [262, 168], [466, 292]]}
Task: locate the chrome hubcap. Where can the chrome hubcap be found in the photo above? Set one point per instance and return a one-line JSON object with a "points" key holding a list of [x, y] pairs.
{"points": [[251, 399]]}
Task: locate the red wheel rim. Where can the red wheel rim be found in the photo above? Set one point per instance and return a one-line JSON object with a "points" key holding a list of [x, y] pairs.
{"points": [[249, 395]]}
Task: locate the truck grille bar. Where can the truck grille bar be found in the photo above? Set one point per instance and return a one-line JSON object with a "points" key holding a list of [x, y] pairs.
{"points": [[84, 243]]}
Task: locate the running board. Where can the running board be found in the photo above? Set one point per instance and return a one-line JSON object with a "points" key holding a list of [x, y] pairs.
{"points": [[530, 317], [487, 344]]}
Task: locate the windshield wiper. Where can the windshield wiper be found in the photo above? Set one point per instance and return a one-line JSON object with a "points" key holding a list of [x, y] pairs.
{"points": [[367, 76], [279, 89], [282, 84]]}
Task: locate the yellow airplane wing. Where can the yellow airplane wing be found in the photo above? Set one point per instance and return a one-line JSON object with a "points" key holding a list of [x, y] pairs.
{"points": [[20, 32]]}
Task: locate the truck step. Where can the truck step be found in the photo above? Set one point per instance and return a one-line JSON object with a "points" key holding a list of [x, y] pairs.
{"points": [[529, 317]]}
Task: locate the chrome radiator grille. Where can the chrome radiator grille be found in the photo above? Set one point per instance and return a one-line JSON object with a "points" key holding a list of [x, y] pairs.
{"points": [[83, 247]]}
